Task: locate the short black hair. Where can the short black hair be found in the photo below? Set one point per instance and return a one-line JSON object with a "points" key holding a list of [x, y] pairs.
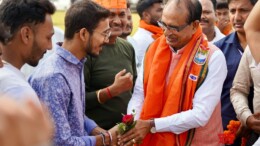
{"points": [[214, 3], [16, 13], [4, 33], [222, 5], [194, 10], [83, 14], [253, 2], [143, 5]]}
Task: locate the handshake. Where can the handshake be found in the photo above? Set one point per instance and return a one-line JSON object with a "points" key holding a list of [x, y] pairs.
{"points": [[129, 131]]}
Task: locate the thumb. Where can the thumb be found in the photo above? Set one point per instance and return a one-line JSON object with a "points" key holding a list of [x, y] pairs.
{"points": [[257, 115]]}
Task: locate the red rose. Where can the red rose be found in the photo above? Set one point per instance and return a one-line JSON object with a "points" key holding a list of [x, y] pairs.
{"points": [[128, 119]]}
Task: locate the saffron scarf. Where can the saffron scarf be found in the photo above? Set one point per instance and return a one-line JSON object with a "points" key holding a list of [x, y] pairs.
{"points": [[157, 31], [163, 99], [228, 29]]}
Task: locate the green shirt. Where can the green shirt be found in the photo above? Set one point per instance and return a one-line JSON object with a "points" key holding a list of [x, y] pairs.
{"points": [[100, 73]]}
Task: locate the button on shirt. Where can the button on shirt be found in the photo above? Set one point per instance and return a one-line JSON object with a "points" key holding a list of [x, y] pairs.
{"points": [[59, 82]]}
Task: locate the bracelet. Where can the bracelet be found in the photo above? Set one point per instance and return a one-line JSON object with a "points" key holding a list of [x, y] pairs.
{"points": [[110, 136], [103, 138], [98, 97], [109, 93]]}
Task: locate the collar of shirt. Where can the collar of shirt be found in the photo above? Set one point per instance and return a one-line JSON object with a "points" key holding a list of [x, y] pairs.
{"points": [[13, 69], [233, 39], [180, 51], [68, 56], [218, 35]]}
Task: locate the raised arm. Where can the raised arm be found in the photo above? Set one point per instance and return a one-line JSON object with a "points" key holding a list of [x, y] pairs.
{"points": [[252, 29]]}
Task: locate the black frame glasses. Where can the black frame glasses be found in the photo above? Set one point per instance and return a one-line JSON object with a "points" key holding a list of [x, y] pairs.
{"points": [[171, 28], [105, 34]]}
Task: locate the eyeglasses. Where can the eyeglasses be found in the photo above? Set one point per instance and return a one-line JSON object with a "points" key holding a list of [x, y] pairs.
{"points": [[105, 34], [171, 28]]}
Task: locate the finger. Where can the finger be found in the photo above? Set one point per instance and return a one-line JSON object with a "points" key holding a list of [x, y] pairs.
{"points": [[131, 77], [130, 132], [128, 137], [121, 73], [127, 75], [130, 143]]}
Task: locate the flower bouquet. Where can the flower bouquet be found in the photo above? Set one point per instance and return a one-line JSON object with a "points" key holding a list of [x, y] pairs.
{"points": [[127, 123]]}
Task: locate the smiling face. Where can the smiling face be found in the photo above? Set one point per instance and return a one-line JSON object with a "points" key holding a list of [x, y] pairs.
{"points": [[41, 41], [117, 21], [208, 17], [238, 12], [176, 15], [99, 37]]}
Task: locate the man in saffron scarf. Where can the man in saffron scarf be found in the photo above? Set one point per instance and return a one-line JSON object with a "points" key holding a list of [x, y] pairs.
{"points": [[177, 92], [150, 11]]}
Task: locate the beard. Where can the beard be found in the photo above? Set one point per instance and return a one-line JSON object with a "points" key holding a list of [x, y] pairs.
{"points": [[154, 22], [35, 55], [89, 48]]}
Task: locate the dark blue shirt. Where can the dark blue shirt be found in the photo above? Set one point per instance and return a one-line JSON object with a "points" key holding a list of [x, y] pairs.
{"points": [[232, 50], [59, 82]]}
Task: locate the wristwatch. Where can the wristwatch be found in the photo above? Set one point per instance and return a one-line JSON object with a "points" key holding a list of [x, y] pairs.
{"points": [[152, 124]]}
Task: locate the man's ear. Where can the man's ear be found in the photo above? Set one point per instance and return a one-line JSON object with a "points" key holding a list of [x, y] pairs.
{"points": [[26, 34], [146, 16], [195, 25], [84, 34]]}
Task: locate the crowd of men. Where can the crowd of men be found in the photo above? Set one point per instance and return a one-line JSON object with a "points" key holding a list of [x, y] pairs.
{"points": [[191, 67]]}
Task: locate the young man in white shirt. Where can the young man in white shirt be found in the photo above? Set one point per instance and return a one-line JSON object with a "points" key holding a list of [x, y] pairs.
{"points": [[31, 30], [150, 11]]}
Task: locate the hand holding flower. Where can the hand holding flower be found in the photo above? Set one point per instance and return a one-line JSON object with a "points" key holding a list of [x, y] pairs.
{"points": [[127, 123], [136, 134]]}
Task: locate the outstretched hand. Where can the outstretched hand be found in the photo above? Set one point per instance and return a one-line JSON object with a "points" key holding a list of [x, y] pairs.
{"points": [[253, 122], [136, 134]]}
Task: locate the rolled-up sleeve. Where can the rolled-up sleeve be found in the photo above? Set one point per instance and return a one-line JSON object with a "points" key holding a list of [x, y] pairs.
{"points": [[241, 88]]}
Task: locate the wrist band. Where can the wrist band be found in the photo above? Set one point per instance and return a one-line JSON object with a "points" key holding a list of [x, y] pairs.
{"points": [[98, 97], [109, 93], [110, 136], [103, 138]]}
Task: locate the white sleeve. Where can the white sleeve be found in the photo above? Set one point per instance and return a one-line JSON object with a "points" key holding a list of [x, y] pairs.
{"points": [[205, 100], [137, 100]]}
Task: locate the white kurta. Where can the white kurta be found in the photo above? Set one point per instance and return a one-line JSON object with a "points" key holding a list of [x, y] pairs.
{"points": [[205, 99], [143, 38], [218, 35]]}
